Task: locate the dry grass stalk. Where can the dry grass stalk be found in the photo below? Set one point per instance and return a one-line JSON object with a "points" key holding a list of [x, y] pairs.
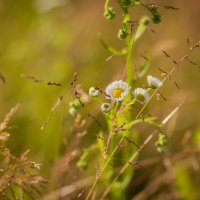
{"points": [[4, 124]]}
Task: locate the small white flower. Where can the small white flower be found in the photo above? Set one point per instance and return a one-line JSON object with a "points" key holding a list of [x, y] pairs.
{"points": [[141, 95], [154, 82], [106, 107], [93, 92], [117, 90]]}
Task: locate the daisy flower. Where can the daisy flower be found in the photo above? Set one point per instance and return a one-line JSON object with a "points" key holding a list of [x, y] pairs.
{"points": [[106, 107], [117, 90], [93, 92], [154, 82], [141, 95]]}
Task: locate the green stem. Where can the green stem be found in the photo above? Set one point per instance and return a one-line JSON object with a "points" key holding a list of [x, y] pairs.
{"points": [[104, 167], [106, 4], [129, 59]]}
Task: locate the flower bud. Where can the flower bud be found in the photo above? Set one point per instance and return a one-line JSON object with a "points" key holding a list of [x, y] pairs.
{"points": [[109, 13], [154, 82], [122, 34], [161, 143], [141, 95], [72, 111], [125, 2], [106, 107], [76, 104], [156, 18], [93, 92], [83, 160], [74, 107]]}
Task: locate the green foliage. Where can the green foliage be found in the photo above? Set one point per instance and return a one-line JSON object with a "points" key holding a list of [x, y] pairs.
{"points": [[161, 143], [117, 191], [184, 183], [196, 138]]}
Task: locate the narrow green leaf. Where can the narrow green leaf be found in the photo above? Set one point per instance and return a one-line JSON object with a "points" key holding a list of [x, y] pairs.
{"points": [[111, 49], [143, 23]]}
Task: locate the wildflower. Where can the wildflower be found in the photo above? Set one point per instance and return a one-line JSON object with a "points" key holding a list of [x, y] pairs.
{"points": [[106, 107], [93, 92], [117, 90], [154, 82], [141, 95]]}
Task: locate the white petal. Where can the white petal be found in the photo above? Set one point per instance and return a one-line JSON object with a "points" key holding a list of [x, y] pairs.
{"points": [[143, 92], [114, 85]]}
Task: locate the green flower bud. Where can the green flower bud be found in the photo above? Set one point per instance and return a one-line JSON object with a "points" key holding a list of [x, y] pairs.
{"points": [[74, 107], [83, 160], [93, 92], [76, 104], [106, 107], [72, 111], [161, 143], [122, 34], [109, 13], [125, 2], [156, 18]]}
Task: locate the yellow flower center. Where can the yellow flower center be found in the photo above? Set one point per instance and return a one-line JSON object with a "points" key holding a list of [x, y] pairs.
{"points": [[117, 92], [140, 97]]}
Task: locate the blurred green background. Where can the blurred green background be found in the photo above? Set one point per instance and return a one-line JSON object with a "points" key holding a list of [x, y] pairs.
{"points": [[52, 39]]}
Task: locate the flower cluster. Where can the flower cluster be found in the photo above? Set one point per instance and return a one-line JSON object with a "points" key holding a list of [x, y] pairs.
{"points": [[118, 90]]}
